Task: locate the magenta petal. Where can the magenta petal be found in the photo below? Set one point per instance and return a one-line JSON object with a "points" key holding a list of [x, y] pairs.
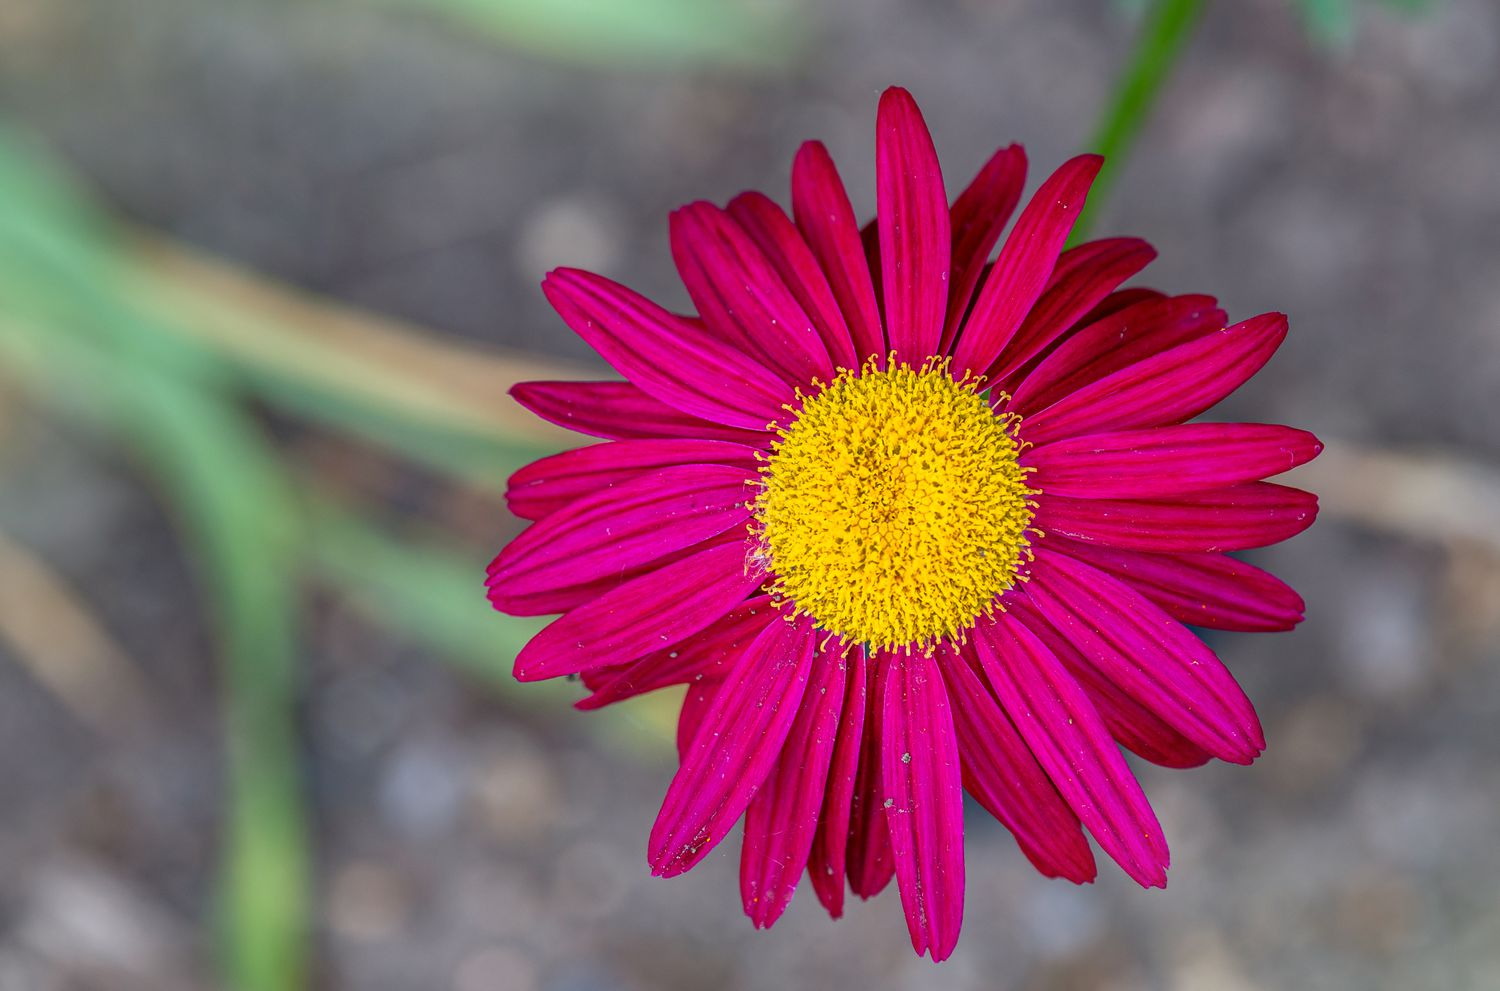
{"points": [[793, 260], [1151, 657], [695, 705], [1209, 590], [1170, 387], [739, 294], [706, 655], [924, 795], [978, 217], [1084, 277], [1114, 341], [783, 817], [633, 524], [869, 857], [621, 411], [642, 615], [1137, 728], [1255, 514], [1118, 300], [595, 678], [565, 599], [669, 357], [826, 220], [1003, 775], [1134, 727], [1069, 739], [869, 236], [915, 241], [735, 748], [1167, 461], [555, 601], [1024, 265], [825, 865], [1115, 302], [549, 484], [1107, 252]]}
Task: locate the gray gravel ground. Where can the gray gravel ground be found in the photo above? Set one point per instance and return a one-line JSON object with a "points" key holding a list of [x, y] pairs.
{"points": [[408, 168]]}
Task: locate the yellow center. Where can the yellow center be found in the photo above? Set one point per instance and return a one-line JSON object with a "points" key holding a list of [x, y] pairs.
{"points": [[892, 509]]}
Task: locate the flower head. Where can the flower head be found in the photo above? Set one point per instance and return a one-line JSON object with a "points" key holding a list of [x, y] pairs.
{"points": [[907, 522]]}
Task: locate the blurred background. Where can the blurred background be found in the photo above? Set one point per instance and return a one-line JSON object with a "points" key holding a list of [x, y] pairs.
{"points": [[267, 269]]}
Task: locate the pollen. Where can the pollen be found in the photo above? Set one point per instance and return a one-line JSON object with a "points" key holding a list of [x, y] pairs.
{"points": [[892, 508]]}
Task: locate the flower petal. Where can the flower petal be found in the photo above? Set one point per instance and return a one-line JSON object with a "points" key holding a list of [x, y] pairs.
{"points": [[869, 236], [1113, 303], [1084, 277], [825, 865], [825, 218], [783, 817], [642, 615], [567, 598], [1024, 265], [979, 215], [1170, 387], [695, 705], [1148, 655], [706, 655], [1114, 341], [1118, 300], [793, 260], [1255, 514], [1210, 590], [1069, 739], [915, 242], [740, 296], [1167, 461], [1003, 775], [735, 748], [924, 798], [549, 484], [1134, 727], [869, 857], [633, 524], [621, 411], [595, 678], [669, 357]]}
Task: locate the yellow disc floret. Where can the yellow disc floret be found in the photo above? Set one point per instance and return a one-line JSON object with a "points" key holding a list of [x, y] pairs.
{"points": [[892, 508]]}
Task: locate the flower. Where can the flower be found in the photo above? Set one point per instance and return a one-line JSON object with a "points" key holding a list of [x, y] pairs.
{"points": [[906, 523]]}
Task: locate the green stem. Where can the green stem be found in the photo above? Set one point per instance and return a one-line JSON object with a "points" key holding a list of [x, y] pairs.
{"points": [[1168, 25], [233, 502]]}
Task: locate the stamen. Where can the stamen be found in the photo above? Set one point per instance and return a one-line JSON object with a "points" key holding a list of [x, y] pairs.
{"points": [[892, 508]]}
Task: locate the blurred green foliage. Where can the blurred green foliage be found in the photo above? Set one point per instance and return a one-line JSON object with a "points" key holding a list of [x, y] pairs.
{"points": [[82, 343], [1333, 22], [84, 334], [738, 34]]}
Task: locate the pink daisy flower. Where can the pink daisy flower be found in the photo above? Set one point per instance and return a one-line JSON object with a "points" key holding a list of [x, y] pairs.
{"points": [[907, 522]]}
